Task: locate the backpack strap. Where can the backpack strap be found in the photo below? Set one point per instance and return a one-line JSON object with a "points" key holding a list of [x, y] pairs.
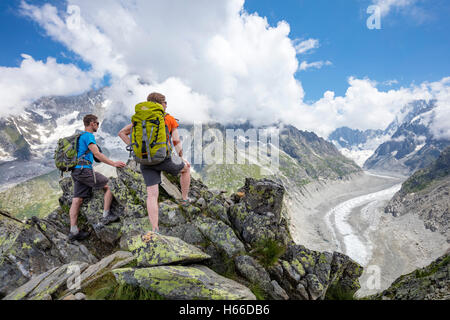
{"points": [[83, 156], [133, 143]]}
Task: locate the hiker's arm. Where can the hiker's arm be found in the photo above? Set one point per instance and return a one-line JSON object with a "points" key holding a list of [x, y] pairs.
{"points": [[100, 156], [177, 142], [125, 133]]}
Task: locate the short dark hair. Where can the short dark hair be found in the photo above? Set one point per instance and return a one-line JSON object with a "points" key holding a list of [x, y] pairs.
{"points": [[88, 119], [156, 97]]}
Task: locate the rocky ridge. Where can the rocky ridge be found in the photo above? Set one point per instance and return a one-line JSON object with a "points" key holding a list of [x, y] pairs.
{"points": [[426, 193], [412, 146], [429, 283], [220, 247]]}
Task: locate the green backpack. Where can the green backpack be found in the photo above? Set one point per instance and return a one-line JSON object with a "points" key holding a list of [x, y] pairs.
{"points": [[66, 152], [150, 138]]}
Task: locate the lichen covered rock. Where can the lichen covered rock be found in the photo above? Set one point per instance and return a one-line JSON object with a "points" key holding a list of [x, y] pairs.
{"points": [[221, 235], [244, 237], [429, 283], [49, 283], [164, 250], [195, 282], [32, 248]]}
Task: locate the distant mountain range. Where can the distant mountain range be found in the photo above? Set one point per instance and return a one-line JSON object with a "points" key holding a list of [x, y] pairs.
{"points": [[27, 142], [406, 145]]}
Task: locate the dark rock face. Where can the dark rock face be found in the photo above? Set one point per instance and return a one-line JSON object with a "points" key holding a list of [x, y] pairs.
{"points": [[429, 283], [222, 233], [426, 193], [12, 141], [412, 146], [31, 248], [263, 196], [320, 158]]}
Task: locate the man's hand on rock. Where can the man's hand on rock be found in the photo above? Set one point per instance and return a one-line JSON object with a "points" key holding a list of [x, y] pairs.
{"points": [[119, 164]]}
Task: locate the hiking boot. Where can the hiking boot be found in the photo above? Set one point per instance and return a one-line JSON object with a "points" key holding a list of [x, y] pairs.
{"points": [[80, 236], [111, 217]]}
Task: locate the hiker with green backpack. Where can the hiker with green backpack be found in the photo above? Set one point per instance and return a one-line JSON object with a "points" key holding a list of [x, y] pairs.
{"points": [[152, 131], [76, 154]]}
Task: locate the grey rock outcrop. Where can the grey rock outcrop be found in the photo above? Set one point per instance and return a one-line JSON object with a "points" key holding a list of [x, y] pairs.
{"points": [[429, 283], [32, 248], [427, 194]]}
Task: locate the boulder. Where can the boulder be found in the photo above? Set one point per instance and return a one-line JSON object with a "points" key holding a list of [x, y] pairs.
{"points": [[163, 250], [92, 210], [307, 274], [32, 248], [49, 283], [221, 235], [261, 196], [258, 227], [216, 209], [170, 188], [250, 269], [237, 215], [119, 259], [195, 282]]}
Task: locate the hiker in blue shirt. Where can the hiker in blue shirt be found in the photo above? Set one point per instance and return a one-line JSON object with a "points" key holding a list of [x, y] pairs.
{"points": [[85, 179]]}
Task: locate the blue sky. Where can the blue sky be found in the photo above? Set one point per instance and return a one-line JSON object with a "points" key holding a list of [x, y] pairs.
{"points": [[210, 59], [406, 49]]}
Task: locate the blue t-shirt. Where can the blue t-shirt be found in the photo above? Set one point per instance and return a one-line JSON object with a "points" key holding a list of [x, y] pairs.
{"points": [[83, 143]]}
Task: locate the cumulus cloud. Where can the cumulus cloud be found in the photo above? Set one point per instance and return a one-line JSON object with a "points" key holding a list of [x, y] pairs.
{"points": [[33, 79], [214, 61], [364, 106], [440, 127], [235, 61], [316, 65]]}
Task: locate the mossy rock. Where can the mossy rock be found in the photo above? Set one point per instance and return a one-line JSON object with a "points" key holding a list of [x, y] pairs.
{"points": [[164, 250], [193, 282]]}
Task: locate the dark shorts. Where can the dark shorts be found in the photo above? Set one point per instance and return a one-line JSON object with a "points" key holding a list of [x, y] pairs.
{"points": [[83, 180], [152, 174]]}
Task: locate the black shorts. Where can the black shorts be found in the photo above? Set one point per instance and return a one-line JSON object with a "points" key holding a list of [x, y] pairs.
{"points": [[152, 174], [83, 182]]}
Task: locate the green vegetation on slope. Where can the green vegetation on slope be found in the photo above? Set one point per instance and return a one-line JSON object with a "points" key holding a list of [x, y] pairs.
{"points": [[35, 197], [425, 177], [229, 177]]}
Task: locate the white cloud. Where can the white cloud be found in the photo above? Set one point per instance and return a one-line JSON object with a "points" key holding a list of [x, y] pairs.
{"points": [[79, 36], [33, 79], [387, 5], [317, 65], [214, 61], [235, 61], [440, 127], [364, 106], [390, 82], [302, 47]]}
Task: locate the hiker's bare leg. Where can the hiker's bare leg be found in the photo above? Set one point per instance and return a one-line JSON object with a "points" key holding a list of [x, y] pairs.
{"points": [[74, 209], [108, 198], [152, 205], [185, 181]]}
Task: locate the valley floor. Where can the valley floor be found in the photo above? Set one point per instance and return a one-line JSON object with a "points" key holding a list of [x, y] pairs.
{"points": [[348, 216]]}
